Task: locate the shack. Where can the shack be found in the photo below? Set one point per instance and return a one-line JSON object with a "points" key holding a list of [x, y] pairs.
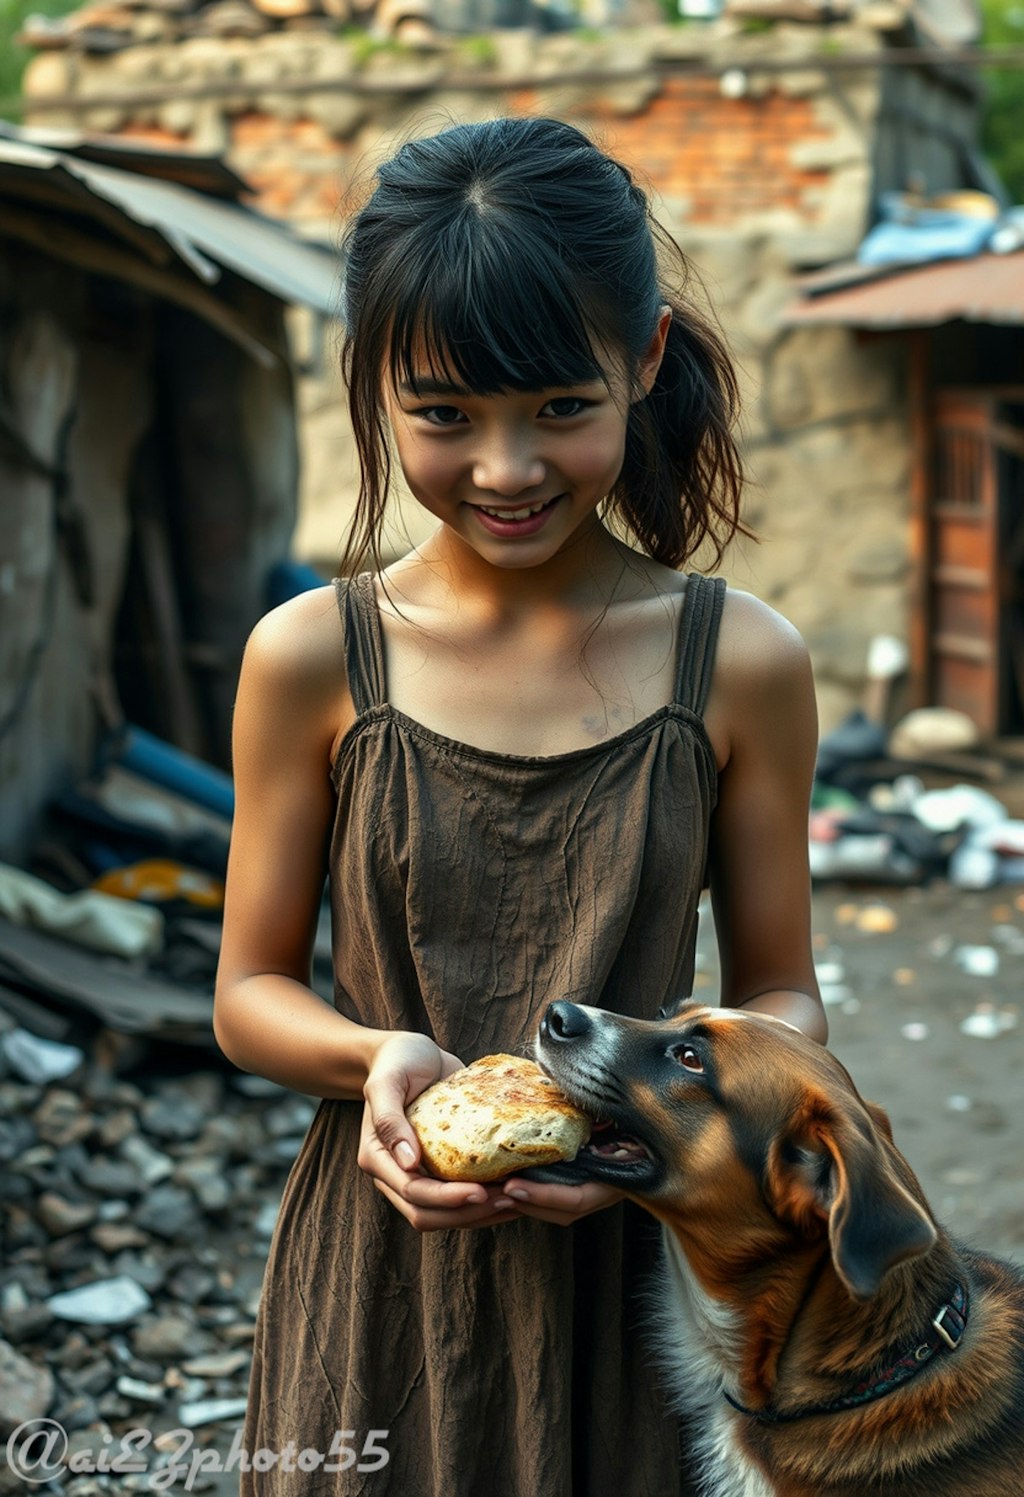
{"points": [[148, 455], [954, 324]]}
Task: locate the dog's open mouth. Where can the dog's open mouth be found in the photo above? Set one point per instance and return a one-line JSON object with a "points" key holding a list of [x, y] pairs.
{"points": [[613, 1154], [608, 1142]]}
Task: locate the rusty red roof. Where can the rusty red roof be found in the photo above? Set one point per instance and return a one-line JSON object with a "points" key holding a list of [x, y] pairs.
{"points": [[985, 288]]}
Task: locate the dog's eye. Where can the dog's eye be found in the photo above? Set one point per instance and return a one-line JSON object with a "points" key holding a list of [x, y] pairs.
{"points": [[688, 1058]]}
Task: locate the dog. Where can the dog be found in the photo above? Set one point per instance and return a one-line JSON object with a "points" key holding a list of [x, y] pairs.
{"points": [[822, 1333]]}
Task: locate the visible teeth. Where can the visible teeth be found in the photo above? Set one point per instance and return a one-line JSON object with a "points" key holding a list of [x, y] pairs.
{"points": [[515, 514]]}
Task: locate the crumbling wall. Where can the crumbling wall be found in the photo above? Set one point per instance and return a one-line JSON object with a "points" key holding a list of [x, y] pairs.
{"points": [[759, 148]]}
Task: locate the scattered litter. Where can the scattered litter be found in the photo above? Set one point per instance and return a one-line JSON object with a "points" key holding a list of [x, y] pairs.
{"points": [[959, 1103], [168, 886], [878, 919], [988, 1023], [39, 1061], [932, 730], [915, 1030], [978, 961], [1010, 937], [974, 866], [87, 917], [902, 795], [982, 1024], [866, 856], [960, 805], [961, 1176], [1006, 838]]}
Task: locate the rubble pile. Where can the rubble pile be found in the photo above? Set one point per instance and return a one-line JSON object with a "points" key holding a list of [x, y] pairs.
{"points": [[136, 1216], [878, 816], [114, 25]]}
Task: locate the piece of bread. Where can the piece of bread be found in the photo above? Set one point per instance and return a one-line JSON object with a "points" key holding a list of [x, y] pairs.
{"points": [[496, 1116]]}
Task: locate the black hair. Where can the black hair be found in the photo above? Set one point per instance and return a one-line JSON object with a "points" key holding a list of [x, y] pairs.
{"points": [[509, 252]]}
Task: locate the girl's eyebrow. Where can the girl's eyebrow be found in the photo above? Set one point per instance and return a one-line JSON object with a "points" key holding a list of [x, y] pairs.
{"points": [[445, 387], [433, 387]]}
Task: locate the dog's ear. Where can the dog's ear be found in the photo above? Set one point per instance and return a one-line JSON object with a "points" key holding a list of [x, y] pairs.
{"points": [[836, 1163], [880, 1118]]}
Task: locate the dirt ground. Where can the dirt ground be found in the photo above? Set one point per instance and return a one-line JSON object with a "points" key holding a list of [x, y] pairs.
{"points": [[897, 997]]}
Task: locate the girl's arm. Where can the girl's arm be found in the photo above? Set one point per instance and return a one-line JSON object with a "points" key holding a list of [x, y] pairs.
{"points": [[292, 699], [266, 1017], [762, 705]]}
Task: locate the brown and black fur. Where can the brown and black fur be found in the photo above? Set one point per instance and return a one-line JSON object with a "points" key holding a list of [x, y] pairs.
{"points": [[802, 1259]]}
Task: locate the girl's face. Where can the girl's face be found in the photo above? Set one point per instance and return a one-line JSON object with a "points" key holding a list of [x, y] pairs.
{"points": [[516, 476]]}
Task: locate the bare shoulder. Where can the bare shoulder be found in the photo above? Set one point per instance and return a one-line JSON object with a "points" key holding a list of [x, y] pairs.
{"points": [[762, 682], [754, 639], [295, 661], [302, 637]]}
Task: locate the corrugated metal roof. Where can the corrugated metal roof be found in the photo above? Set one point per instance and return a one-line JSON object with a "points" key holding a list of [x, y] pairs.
{"points": [[207, 174], [204, 233], [985, 288]]}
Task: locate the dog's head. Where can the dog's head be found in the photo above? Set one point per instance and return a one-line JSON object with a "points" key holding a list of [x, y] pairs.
{"points": [[740, 1133]]}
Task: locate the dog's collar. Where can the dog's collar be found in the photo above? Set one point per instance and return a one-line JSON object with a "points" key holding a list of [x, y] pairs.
{"points": [[944, 1334]]}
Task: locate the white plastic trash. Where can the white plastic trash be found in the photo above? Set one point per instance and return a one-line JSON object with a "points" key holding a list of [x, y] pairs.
{"points": [[88, 917], [960, 805], [974, 866], [979, 961]]}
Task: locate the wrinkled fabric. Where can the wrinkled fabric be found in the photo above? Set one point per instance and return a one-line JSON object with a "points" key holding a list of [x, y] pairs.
{"points": [[468, 890]]}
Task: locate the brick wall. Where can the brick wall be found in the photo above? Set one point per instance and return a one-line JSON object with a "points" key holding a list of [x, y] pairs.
{"points": [[711, 159], [720, 159]]}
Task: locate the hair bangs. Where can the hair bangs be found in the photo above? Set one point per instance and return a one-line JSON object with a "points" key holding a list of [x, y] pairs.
{"points": [[471, 315]]}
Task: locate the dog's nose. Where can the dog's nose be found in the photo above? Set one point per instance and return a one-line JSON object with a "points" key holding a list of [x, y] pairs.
{"points": [[564, 1021]]}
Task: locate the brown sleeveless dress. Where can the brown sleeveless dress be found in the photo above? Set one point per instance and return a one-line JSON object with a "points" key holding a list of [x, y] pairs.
{"points": [[470, 888]]}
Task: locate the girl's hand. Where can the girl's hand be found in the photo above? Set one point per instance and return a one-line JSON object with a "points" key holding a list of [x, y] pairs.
{"points": [[405, 1065], [560, 1204]]}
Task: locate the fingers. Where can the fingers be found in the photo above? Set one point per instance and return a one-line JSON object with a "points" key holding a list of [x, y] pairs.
{"points": [[427, 1217], [428, 1204], [560, 1204], [385, 1105]]}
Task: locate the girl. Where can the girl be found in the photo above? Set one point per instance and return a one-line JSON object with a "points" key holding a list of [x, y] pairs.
{"points": [[516, 752]]}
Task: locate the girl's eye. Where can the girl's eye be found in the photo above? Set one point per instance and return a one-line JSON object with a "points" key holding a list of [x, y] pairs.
{"points": [[440, 415], [688, 1058], [570, 400]]}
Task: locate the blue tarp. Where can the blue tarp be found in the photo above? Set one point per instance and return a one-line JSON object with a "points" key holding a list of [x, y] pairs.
{"points": [[915, 235]]}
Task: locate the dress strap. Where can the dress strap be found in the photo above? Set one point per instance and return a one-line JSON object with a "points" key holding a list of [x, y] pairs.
{"points": [[364, 647], [702, 614]]}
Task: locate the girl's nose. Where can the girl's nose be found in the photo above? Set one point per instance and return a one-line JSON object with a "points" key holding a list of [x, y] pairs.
{"points": [[507, 468]]}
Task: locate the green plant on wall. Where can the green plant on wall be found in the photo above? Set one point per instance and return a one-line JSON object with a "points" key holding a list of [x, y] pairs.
{"points": [[1003, 119], [12, 57]]}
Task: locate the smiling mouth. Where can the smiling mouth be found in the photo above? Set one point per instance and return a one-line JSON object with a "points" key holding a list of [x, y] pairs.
{"points": [[522, 513]]}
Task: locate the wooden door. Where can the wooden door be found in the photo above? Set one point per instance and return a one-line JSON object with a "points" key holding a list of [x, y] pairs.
{"points": [[974, 557]]}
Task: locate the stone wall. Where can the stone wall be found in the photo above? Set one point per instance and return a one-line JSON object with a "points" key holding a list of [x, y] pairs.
{"points": [[758, 148]]}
